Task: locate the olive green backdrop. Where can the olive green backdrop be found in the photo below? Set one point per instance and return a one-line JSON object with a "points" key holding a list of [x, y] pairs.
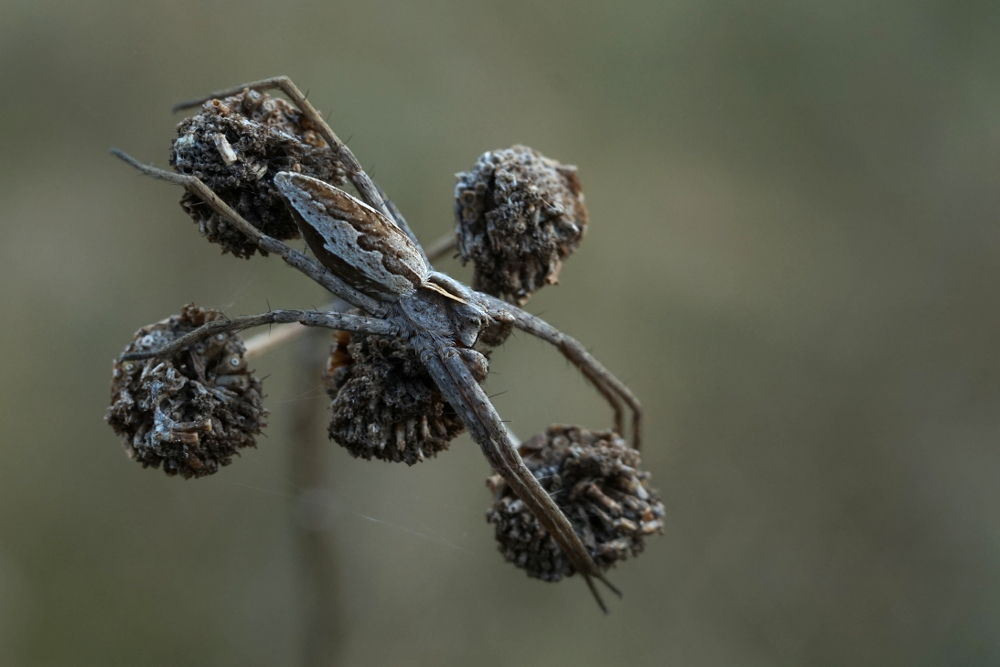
{"points": [[793, 260]]}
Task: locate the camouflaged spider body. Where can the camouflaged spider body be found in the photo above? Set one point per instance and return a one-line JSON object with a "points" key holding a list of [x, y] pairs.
{"points": [[367, 256]]}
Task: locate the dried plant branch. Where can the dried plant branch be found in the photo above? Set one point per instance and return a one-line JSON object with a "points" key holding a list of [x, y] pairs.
{"points": [[281, 335], [322, 619], [442, 246], [439, 331]]}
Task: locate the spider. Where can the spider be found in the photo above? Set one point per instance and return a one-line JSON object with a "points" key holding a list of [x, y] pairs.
{"points": [[367, 256]]}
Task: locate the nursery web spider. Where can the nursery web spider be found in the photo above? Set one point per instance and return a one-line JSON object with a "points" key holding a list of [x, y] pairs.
{"points": [[367, 256]]}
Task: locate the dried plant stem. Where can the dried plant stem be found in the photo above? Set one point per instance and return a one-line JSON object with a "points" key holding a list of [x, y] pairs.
{"points": [[442, 246], [322, 622], [282, 334]]}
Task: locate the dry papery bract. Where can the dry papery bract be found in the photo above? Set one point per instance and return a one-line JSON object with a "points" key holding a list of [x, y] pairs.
{"points": [[236, 145], [189, 413], [518, 216], [595, 480]]}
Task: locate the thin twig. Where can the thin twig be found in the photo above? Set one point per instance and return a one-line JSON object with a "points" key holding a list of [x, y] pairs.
{"points": [[263, 343]]}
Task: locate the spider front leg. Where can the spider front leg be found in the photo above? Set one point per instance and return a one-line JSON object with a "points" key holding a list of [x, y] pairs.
{"points": [[309, 318], [464, 394], [294, 258], [610, 387]]}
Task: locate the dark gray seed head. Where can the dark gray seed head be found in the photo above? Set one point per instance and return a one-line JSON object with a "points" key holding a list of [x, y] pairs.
{"points": [[189, 413], [237, 145], [518, 216], [595, 480]]}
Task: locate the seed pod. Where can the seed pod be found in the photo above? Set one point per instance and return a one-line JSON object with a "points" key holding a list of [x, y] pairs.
{"points": [[385, 404], [518, 216], [594, 478], [237, 145], [191, 412]]}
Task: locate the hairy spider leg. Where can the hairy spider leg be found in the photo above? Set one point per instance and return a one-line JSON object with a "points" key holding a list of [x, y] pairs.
{"points": [[309, 318], [609, 386], [477, 413], [294, 258]]}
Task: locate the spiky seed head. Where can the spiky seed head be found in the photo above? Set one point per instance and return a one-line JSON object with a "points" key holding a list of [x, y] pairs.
{"points": [[594, 478], [237, 145], [385, 404], [518, 216], [189, 413]]}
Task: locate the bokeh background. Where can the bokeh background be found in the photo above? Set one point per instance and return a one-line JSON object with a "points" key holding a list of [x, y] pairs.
{"points": [[793, 260]]}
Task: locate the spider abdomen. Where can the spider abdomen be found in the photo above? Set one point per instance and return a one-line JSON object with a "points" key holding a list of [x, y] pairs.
{"points": [[359, 244]]}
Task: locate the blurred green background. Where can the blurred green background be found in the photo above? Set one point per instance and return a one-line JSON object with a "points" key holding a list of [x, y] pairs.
{"points": [[793, 260]]}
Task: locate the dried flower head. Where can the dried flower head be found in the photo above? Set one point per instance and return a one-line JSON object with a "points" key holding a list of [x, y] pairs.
{"points": [[519, 215], [385, 404], [237, 145], [191, 412], [594, 478]]}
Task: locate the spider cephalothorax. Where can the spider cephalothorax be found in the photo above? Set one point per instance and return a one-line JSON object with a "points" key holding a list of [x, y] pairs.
{"points": [[367, 256]]}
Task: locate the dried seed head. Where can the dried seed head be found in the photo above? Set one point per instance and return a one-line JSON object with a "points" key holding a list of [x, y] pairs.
{"points": [[594, 478], [519, 215], [237, 145], [190, 412], [385, 405]]}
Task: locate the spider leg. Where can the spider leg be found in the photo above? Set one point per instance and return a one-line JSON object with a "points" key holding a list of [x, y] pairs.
{"points": [[479, 416], [366, 187], [310, 318], [610, 387], [284, 333], [306, 265]]}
